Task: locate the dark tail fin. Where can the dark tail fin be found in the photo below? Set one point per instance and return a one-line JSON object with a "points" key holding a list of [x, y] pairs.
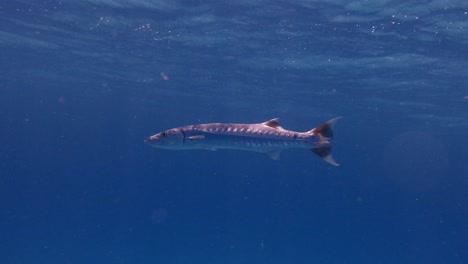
{"points": [[323, 146]]}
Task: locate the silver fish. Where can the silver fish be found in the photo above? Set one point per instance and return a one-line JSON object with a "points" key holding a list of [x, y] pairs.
{"points": [[267, 137]]}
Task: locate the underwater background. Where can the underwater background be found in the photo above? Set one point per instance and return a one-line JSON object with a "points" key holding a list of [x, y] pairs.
{"points": [[83, 83]]}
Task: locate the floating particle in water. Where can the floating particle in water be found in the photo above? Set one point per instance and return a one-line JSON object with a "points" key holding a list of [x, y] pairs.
{"points": [[159, 216], [359, 200], [146, 27], [465, 97], [102, 21], [164, 76]]}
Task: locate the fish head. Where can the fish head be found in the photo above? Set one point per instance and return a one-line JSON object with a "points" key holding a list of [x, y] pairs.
{"points": [[170, 139]]}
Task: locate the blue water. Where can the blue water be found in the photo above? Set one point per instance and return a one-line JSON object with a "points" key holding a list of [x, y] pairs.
{"points": [[82, 83]]}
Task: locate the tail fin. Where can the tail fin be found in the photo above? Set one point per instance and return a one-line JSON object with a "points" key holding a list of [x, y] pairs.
{"points": [[323, 146]]}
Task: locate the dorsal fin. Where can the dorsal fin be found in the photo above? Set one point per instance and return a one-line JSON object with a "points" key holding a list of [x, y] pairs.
{"points": [[274, 123]]}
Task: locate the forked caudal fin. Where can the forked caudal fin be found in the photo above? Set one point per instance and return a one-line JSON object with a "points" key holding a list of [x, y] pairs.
{"points": [[323, 147]]}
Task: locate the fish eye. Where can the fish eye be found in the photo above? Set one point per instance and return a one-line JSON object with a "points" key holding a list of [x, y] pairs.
{"points": [[163, 134]]}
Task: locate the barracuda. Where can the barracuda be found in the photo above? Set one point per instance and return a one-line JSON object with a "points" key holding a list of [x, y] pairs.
{"points": [[267, 137]]}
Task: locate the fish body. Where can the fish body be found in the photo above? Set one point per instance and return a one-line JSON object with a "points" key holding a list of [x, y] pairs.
{"points": [[267, 137]]}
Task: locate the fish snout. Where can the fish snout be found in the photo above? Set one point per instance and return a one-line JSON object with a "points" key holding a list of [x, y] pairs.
{"points": [[149, 140]]}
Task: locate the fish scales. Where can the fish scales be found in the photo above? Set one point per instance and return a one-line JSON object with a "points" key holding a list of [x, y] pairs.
{"points": [[246, 130]]}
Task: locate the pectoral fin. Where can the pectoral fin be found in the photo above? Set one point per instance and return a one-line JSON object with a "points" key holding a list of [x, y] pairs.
{"points": [[196, 137], [274, 155]]}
